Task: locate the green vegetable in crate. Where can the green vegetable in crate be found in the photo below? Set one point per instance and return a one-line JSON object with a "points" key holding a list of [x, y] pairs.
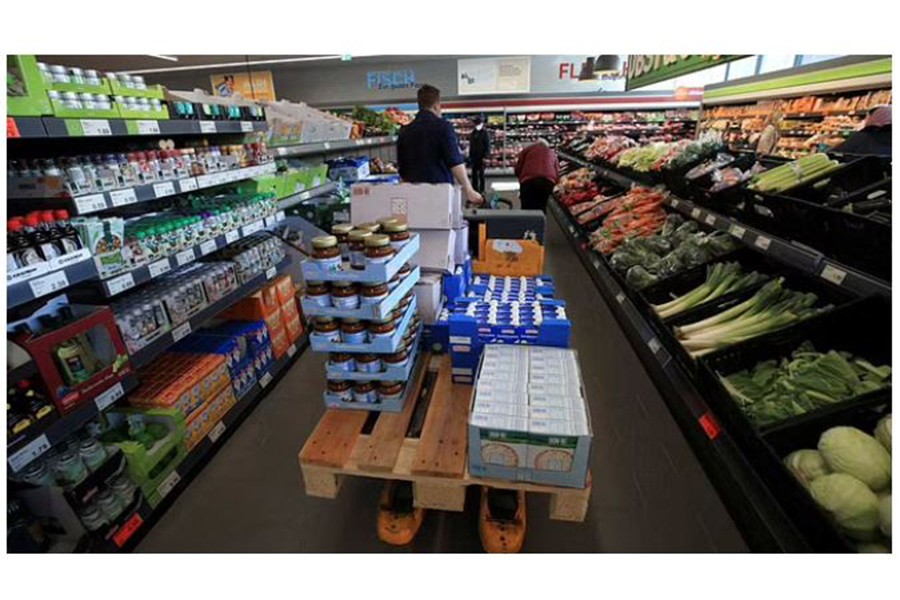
{"points": [[638, 277], [773, 391], [790, 175], [672, 223], [872, 548], [806, 466], [884, 514], [853, 452], [852, 505], [883, 432], [721, 279]]}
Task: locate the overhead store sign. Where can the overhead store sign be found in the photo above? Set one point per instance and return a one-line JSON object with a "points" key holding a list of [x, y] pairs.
{"points": [[391, 80], [502, 75], [257, 85], [646, 69]]}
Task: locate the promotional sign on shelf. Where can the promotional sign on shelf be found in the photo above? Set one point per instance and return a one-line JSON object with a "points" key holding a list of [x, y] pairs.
{"points": [[644, 69], [258, 85], [501, 75]]}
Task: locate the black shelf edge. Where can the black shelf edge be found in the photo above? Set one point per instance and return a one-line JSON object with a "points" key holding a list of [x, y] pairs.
{"points": [[58, 128], [201, 454], [146, 354], [295, 199], [32, 444], [49, 283], [330, 147], [24, 128], [121, 282], [762, 522]]}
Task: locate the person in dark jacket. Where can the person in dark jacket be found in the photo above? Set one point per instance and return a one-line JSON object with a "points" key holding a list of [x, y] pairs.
{"points": [[538, 171], [479, 149], [874, 138], [428, 149]]}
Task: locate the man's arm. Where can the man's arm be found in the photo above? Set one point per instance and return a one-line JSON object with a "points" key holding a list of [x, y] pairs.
{"points": [[454, 160], [462, 178], [401, 156]]}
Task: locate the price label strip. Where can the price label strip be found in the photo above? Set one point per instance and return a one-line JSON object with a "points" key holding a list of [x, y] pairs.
{"points": [[695, 213], [159, 267], [232, 236], [737, 231], [168, 483], [48, 284], [148, 127], [253, 228], [217, 432], [270, 272], [265, 380], [208, 127], [188, 185], [123, 197], [89, 204], [207, 247], [833, 274], [246, 126], [185, 256], [166, 188], [95, 127], [292, 350], [36, 447], [109, 396], [120, 284], [710, 219], [762, 242], [181, 331]]}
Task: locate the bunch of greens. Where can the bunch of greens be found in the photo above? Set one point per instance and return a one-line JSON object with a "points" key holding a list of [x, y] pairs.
{"points": [[721, 279], [771, 308], [807, 380]]}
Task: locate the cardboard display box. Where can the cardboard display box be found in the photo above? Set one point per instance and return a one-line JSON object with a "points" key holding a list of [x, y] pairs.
{"points": [[419, 205]]}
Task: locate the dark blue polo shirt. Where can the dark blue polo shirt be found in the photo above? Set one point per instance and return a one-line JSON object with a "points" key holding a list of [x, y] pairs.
{"points": [[427, 149]]}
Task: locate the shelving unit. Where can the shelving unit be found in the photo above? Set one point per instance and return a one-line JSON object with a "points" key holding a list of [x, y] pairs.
{"points": [[53, 127], [331, 147], [45, 283], [300, 197]]}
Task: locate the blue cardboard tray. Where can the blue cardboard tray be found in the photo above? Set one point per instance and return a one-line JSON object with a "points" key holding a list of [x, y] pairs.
{"points": [[371, 274], [379, 346], [391, 407], [363, 313], [394, 374]]}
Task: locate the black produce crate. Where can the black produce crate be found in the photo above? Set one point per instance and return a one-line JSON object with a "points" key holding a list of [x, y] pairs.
{"points": [[860, 328], [682, 283], [845, 185], [728, 201], [794, 280], [673, 177]]}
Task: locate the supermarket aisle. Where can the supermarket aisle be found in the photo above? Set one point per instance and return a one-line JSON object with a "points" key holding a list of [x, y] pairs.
{"points": [[649, 495]]}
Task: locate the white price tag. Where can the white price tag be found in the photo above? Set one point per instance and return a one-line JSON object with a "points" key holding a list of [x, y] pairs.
{"points": [[168, 483], [252, 228], [710, 219], [232, 236], [265, 380], [270, 272], [620, 297], [122, 197], [653, 344], [205, 181], [833, 274], [28, 272], [185, 256], [89, 204], [675, 202], [762, 242], [737, 231], [28, 453], [270, 221], [166, 188], [48, 284], [292, 350], [188, 185], [279, 216], [95, 127], [120, 284], [207, 127], [695, 213], [327, 146], [246, 126], [595, 261], [207, 247], [359, 142], [159, 267], [109, 396], [217, 432], [181, 331], [148, 127], [61, 262]]}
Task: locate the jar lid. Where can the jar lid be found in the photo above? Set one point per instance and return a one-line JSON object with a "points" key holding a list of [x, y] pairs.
{"points": [[358, 235], [396, 227], [373, 227], [324, 320], [341, 283], [385, 221], [324, 241], [341, 228], [377, 240]]}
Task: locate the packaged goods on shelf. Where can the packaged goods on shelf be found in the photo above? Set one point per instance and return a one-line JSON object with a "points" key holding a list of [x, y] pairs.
{"points": [[42, 240], [200, 105], [428, 296], [252, 255], [297, 123], [529, 419], [27, 405], [180, 381], [348, 169], [205, 419]]}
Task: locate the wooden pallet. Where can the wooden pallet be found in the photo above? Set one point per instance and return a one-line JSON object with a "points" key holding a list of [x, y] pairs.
{"points": [[435, 461]]}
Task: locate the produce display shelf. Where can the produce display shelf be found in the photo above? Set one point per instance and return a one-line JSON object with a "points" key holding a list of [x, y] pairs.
{"points": [[295, 199], [37, 439], [159, 345], [24, 127], [91, 203], [68, 128], [44, 283], [125, 281], [761, 520], [196, 459], [329, 147]]}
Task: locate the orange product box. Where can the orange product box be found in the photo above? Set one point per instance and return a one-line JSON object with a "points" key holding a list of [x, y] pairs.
{"points": [[203, 420], [294, 328], [254, 307], [274, 324], [289, 309], [280, 343], [284, 288], [181, 381]]}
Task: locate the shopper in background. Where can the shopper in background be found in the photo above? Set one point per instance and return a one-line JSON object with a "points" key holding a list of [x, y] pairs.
{"points": [[770, 135], [479, 149], [875, 136], [538, 171], [428, 149]]}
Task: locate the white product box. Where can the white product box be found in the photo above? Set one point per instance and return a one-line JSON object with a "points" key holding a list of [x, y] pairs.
{"points": [[419, 205], [560, 446], [428, 296], [499, 440], [555, 401], [509, 409], [568, 414], [436, 248], [461, 245]]}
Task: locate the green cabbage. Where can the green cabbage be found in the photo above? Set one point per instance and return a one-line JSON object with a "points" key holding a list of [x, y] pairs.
{"points": [[806, 466], [872, 548], [851, 451], [884, 514], [883, 432], [852, 505]]}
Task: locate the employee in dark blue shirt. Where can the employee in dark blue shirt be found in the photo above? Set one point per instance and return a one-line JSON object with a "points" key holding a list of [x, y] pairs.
{"points": [[428, 150]]}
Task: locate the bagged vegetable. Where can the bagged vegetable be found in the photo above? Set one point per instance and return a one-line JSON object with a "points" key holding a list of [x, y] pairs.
{"points": [[638, 277], [624, 259], [806, 466], [852, 505], [884, 514], [883, 432], [672, 223], [853, 452]]}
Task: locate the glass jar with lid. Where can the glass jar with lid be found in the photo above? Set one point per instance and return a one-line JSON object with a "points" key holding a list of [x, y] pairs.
{"points": [[69, 468], [124, 488], [396, 360], [342, 390], [353, 331], [92, 517], [344, 294], [378, 249], [326, 253], [365, 392], [317, 291], [373, 293], [92, 451], [368, 363], [356, 242], [110, 504], [390, 391], [327, 328], [342, 232], [382, 328], [342, 361], [370, 227], [398, 233]]}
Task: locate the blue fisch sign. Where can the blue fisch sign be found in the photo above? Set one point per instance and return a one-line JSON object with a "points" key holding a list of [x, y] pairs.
{"points": [[391, 80]]}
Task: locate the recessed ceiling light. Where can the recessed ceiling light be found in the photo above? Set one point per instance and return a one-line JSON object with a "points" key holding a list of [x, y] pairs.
{"points": [[164, 57], [245, 63]]}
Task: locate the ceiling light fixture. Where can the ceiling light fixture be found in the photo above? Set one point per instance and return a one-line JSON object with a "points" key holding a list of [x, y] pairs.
{"points": [[244, 63], [164, 57]]}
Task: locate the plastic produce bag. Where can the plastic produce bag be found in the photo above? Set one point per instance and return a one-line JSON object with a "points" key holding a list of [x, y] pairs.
{"points": [[624, 259], [638, 277], [672, 223], [722, 243]]}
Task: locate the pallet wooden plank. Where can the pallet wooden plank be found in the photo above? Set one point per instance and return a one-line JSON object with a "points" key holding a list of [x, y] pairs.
{"points": [[442, 445], [333, 439], [380, 450]]}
